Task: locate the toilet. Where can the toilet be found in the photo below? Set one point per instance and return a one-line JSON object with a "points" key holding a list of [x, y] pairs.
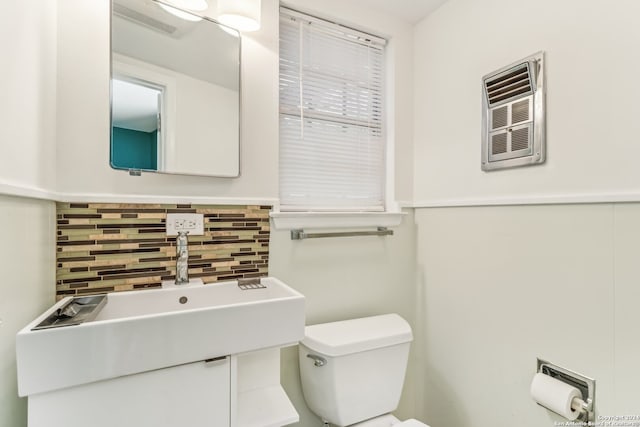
{"points": [[352, 371]]}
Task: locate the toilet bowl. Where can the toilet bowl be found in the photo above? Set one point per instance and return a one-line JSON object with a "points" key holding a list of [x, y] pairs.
{"points": [[389, 421], [352, 371]]}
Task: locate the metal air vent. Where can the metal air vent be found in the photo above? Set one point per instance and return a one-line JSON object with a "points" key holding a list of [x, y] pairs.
{"points": [[514, 82], [513, 122]]}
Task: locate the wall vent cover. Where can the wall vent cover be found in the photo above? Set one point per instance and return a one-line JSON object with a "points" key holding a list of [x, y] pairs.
{"points": [[513, 115]]}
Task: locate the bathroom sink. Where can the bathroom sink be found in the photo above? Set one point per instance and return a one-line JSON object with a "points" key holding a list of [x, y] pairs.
{"points": [[145, 330]]}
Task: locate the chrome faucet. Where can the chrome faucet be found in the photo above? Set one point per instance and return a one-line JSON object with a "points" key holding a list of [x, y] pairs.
{"points": [[182, 258]]}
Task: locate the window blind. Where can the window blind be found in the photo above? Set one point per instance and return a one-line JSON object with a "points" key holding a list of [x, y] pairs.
{"points": [[332, 145]]}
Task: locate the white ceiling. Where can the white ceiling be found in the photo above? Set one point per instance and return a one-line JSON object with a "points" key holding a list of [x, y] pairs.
{"points": [[411, 11]]}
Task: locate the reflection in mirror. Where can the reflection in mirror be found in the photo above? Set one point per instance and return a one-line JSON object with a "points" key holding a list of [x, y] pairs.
{"points": [[135, 128], [175, 92]]}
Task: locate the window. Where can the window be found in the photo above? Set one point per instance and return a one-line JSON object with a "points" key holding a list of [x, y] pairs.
{"points": [[332, 145]]}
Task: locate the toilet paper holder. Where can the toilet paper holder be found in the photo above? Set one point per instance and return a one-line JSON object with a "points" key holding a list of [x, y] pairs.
{"points": [[586, 386]]}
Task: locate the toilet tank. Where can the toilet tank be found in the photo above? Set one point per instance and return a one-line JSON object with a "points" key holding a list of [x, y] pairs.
{"points": [[362, 378]]}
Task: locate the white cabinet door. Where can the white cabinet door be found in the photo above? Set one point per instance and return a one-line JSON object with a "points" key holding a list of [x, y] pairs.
{"points": [[192, 395]]}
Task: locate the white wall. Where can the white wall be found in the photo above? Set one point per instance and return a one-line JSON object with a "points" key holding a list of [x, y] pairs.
{"points": [[207, 133], [502, 286], [27, 288], [83, 106], [344, 279], [27, 160], [83, 114], [352, 277], [28, 87], [592, 86]]}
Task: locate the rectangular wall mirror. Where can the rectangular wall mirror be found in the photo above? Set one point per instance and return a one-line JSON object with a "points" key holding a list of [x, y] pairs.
{"points": [[175, 91]]}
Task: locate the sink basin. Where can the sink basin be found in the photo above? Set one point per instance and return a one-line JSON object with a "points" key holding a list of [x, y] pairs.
{"points": [[145, 330]]}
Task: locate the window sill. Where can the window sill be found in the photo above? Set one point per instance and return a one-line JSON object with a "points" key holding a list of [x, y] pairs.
{"points": [[295, 220]]}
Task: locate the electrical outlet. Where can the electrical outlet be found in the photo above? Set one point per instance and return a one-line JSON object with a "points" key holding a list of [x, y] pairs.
{"points": [[193, 223]]}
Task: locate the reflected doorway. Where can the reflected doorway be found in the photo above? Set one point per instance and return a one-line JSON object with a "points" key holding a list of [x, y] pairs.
{"points": [[136, 124]]}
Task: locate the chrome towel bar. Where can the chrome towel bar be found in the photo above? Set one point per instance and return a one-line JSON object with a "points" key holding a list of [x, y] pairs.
{"points": [[300, 234]]}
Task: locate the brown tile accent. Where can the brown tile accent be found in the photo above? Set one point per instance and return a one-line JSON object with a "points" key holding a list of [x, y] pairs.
{"points": [[131, 270], [181, 211], [123, 251], [131, 210], [164, 258], [147, 286], [62, 260], [62, 225], [121, 247], [231, 277], [132, 225], [75, 242], [95, 290], [107, 267], [81, 279]]}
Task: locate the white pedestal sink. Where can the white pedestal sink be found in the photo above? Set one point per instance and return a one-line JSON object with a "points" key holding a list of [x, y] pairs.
{"points": [[142, 331]]}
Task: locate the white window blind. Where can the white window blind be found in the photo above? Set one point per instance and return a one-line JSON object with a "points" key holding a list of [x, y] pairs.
{"points": [[332, 146]]}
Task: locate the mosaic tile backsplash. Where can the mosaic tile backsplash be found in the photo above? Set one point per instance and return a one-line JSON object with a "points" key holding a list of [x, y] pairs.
{"points": [[122, 247]]}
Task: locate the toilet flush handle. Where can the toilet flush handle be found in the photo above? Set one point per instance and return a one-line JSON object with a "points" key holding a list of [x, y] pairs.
{"points": [[317, 360]]}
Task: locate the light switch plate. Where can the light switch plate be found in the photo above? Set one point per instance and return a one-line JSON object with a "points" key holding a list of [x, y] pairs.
{"points": [[193, 223]]}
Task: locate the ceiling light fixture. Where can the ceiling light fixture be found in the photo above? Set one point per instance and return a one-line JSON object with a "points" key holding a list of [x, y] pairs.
{"points": [[243, 15]]}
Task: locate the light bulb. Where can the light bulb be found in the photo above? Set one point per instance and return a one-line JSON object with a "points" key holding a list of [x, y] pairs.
{"points": [[243, 15]]}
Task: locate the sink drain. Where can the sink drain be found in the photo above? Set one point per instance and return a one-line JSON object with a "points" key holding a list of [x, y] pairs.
{"points": [[183, 300]]}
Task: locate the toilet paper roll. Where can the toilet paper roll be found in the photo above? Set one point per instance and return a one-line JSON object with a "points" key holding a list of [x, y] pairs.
{"points": [[555, 395]]}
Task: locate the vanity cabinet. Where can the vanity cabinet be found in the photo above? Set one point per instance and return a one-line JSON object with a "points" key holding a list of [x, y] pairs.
{"points": [[194, 395], [236, 391], [150, 358]]}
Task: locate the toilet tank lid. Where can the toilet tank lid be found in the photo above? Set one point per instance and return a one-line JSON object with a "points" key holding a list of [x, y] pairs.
{"points": [[356, 335]]}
